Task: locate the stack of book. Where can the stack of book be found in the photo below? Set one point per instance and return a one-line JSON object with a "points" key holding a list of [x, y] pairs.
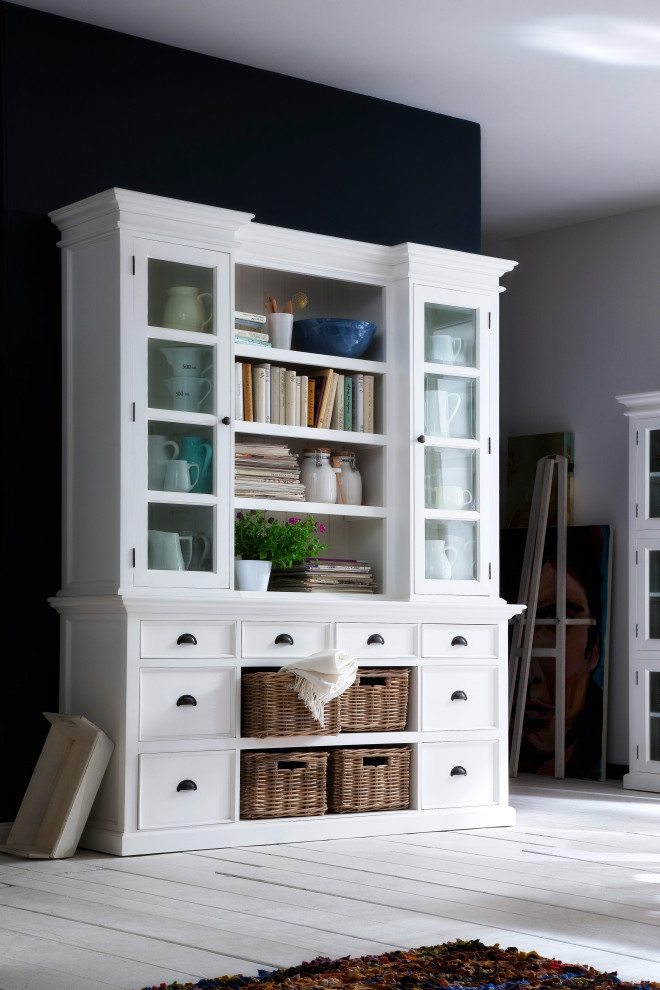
{"points": [[325, 399], [250, 328], [327, 574], [264, 470]]}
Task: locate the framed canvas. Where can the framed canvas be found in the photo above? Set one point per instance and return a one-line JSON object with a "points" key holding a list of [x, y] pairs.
{"points": [[588, 589], [523, 454]]}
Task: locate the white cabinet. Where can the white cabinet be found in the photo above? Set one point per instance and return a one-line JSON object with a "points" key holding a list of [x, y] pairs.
{"points": [[643, 411], [155, 633]]}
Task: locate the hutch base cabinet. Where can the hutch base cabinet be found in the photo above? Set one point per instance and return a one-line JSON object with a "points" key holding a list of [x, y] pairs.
{"points": [[643, 412], [180, 413]]}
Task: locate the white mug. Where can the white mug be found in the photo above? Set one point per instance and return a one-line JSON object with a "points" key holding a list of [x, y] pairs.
{"points": [[177, 476], [188, 362], [200, 547], [452, 497], [280, 329], [445, 348], [188, 394]]}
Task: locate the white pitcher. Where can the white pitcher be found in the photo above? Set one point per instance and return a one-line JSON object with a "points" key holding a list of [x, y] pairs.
{"points": [[438, 562], [185, 310], [164, 551], [159, 458], [188, 362], [440, 408]]}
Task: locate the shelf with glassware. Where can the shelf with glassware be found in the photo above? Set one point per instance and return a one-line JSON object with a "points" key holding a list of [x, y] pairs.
{"points": [[451, 409]]}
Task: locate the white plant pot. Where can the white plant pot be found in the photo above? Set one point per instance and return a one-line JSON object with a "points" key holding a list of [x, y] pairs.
{"points": [[252, 575]]}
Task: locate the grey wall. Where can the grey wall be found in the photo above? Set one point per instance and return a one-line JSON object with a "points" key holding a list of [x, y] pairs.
{"points": [[579, 326]]}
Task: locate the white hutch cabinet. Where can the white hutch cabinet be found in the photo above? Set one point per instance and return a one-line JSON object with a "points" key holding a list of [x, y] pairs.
{"points": [[153, 654], [643, 411]]}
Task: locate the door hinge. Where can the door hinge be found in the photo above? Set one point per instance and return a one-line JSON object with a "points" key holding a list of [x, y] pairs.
{"points": [[637, 678], [489, 318], [489, 445], [637, 556], [133, 265], [490, 571], [133, 411], [637, 438], [133, 557], [636, 630], [636, 510]]}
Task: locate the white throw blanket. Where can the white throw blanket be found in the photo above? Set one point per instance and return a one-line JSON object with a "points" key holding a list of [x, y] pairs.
{"points": [[321, 677]]}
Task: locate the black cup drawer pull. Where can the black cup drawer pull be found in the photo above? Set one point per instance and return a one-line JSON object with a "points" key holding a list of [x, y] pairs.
{"points": [[186, 699], [190, 785], [284, 639], [456, 696], [458, 772], [459, 641], [186, 639], [376, 638]]}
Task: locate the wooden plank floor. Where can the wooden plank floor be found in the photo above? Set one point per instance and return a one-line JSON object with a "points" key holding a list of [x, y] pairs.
{"points": [[577, 878]]}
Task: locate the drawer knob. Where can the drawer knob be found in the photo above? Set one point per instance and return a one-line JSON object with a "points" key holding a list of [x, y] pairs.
{"points": [[186, 639], [284, 639], [190, 785], [458, 772], [186, 699], [459, 641], [456, 696], [376, 638]]}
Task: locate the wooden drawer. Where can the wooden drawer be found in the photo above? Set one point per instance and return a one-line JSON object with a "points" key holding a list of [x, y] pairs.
{"points": [[461, 697], [447, 641], [284, 640], [187, 703], [184, 638], [168, 797], [399, 640], [442, 788]]}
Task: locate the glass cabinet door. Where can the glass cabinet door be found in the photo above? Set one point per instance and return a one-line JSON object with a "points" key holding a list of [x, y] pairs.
{"points": [[450, 408], [647, 570], [645, 717], [648, 477], [182, 388]]}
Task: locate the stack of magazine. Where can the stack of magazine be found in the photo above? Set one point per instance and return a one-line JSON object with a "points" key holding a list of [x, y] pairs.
{"points": [[265, 470], [327, 575]]}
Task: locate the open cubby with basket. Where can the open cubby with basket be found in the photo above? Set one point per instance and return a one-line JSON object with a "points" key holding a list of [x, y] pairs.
{"points": [[376, 702], [283, 784], [375, 779]]}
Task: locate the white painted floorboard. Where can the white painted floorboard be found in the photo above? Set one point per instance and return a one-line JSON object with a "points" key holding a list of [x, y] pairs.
{"points": [[577, 878]]}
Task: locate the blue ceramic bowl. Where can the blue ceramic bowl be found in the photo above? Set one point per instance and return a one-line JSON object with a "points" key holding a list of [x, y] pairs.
{"points": [[341, 338]]}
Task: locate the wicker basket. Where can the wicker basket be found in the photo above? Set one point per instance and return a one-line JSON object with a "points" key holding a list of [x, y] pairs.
{"points": [[282, 784], [270, 707], [369, 779], [376, 702]]}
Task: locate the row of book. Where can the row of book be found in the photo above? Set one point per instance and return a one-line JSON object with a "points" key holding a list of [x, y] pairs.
{"points": [[266, 471], [326, 399], [327, 575], [250, 328]]}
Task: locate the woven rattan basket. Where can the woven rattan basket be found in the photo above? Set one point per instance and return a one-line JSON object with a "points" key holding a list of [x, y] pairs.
{"points": [[270, 707], [369, 779], [283, 784], [376, 702]]}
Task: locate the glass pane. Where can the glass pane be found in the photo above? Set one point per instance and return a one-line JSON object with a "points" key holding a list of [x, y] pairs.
{"points": [[180, 296], [654, 594], [654, 473], [654, 715], [450, 550], [449, 406], [449, 335], [180, 376], [173, 444], [449, 479], [180, 538]]}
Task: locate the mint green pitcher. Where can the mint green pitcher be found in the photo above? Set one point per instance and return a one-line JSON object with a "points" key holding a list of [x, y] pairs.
{"points": [[198, 451]]}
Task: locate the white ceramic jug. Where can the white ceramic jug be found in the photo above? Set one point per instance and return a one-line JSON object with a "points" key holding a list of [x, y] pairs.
{"points": [[184, 310], [440, 408], [159, 458], [164, 551], [187, 362], [438, 562]]}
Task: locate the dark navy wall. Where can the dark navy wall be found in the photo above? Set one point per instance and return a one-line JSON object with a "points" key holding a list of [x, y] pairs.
{"points": [[84, 109]]}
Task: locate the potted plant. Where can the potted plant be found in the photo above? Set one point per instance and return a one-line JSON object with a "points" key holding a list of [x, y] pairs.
{"points": [[260, 543]]}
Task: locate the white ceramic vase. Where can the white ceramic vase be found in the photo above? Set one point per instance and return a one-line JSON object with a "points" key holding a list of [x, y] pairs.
{"points": [[252, 575]]}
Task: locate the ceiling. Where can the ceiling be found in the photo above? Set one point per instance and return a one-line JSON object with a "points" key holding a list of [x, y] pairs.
{"points": [[567, 92]]}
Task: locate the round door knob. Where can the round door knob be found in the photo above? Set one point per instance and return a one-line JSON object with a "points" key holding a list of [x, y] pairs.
{"points": [[225, 421], [458, 772], [456, 696], [186, 639], [186, 699], [375, 638], [421, 439], [190, 785], [459, 641], [283, 639]]}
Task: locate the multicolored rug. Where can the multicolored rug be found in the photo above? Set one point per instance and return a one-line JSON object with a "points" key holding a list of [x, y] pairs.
{"points": [[461, 965]]}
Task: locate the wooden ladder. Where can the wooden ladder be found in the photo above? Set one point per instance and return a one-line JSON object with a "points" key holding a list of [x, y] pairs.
{"points": [[525, 623]]}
